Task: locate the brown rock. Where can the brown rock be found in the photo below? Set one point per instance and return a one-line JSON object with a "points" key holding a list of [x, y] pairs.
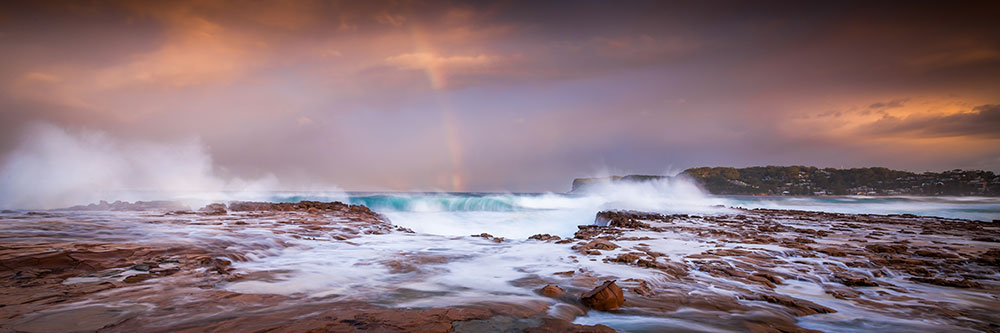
{"points": [[964, 283], [769, 276], [214, 209], [642, 288], [247, 206], [566, 273], [552, 291], [833, 252], [841, 292], [138, 278], [628, 219], [591, 231], [799, 307], [82, 319], [615, 219], [545, 237], [761, 280], [132, 206], [854, 280], [607, 296], [627, 258], [221, 266], [991, 257], [935, 254], [887, 248], [600, 244]]}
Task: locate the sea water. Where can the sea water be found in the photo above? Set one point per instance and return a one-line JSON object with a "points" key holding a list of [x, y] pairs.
{"points": [[520, 215]]}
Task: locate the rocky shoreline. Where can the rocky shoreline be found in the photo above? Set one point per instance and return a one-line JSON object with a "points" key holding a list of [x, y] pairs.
{"points": [[159, 279], [751, 270], [896, 265]]}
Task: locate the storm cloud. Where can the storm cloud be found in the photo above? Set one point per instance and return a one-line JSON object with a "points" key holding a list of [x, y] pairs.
{"points": [[508, 95]]}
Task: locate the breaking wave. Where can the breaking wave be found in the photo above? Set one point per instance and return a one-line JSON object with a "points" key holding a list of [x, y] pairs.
{"points": [[676, 194], [439, 202], [520, 215]]}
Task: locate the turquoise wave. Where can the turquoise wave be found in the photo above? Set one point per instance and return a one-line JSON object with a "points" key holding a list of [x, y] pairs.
{"points": [[450, 203], [979, 208]]}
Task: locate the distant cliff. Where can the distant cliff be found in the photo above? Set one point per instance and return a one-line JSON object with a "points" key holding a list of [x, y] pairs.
{"points": [[580, 184], [802, 180]]}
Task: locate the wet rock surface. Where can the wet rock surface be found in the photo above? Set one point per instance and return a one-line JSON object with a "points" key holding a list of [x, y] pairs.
{"points": [[552, 291], [798, 264], [98, 268], [130, 206], [607, 296], [144, 269]]}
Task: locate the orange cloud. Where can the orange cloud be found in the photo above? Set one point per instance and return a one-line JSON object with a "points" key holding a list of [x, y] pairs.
{"points": [[954, 58], [40, 77], [981, 121], [395, 20], [902, 121], [197, 51], [429, 60]]}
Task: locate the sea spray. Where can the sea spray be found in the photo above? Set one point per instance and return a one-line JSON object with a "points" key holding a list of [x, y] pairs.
{"points": [[522, 215], [55, 168], [668, 194]]}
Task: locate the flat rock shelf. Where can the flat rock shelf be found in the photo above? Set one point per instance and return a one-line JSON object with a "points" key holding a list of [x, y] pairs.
{"points": [[314, 266]]}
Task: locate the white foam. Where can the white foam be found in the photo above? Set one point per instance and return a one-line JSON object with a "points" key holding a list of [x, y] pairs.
{"points": [[557, 214], [467, 269], [57, 168]]}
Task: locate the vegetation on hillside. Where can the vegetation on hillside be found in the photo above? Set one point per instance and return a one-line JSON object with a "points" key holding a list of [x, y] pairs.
{"points": [[803, 180]]}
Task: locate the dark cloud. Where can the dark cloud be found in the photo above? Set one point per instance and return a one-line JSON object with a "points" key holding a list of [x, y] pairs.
{"points": [[888, 105]]}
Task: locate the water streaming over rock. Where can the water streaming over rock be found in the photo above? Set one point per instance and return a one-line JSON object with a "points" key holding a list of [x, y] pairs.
{"points": [[693, 262]]}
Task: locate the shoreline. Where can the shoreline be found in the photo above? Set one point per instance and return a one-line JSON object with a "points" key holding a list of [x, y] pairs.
{"points": [[751, 270]]}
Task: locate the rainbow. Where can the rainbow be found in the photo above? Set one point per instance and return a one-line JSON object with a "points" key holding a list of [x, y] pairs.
{"points": [[437, 77]]}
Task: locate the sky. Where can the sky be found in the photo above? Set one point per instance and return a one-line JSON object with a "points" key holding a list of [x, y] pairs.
{"points": [[486, 96]]}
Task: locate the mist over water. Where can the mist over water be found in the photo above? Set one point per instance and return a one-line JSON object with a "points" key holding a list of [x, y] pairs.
{"points": [[523, 215], [56, 168]]}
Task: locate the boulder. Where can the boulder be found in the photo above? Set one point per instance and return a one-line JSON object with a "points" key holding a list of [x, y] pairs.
{"points": [[552, 291], [607, 296]]}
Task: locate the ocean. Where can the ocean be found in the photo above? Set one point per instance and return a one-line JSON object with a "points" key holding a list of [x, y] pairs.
{"points": [[524, 214]]}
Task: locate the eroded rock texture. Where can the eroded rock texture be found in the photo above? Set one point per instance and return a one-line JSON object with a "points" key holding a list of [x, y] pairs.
{"points": [[252, 266]]}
